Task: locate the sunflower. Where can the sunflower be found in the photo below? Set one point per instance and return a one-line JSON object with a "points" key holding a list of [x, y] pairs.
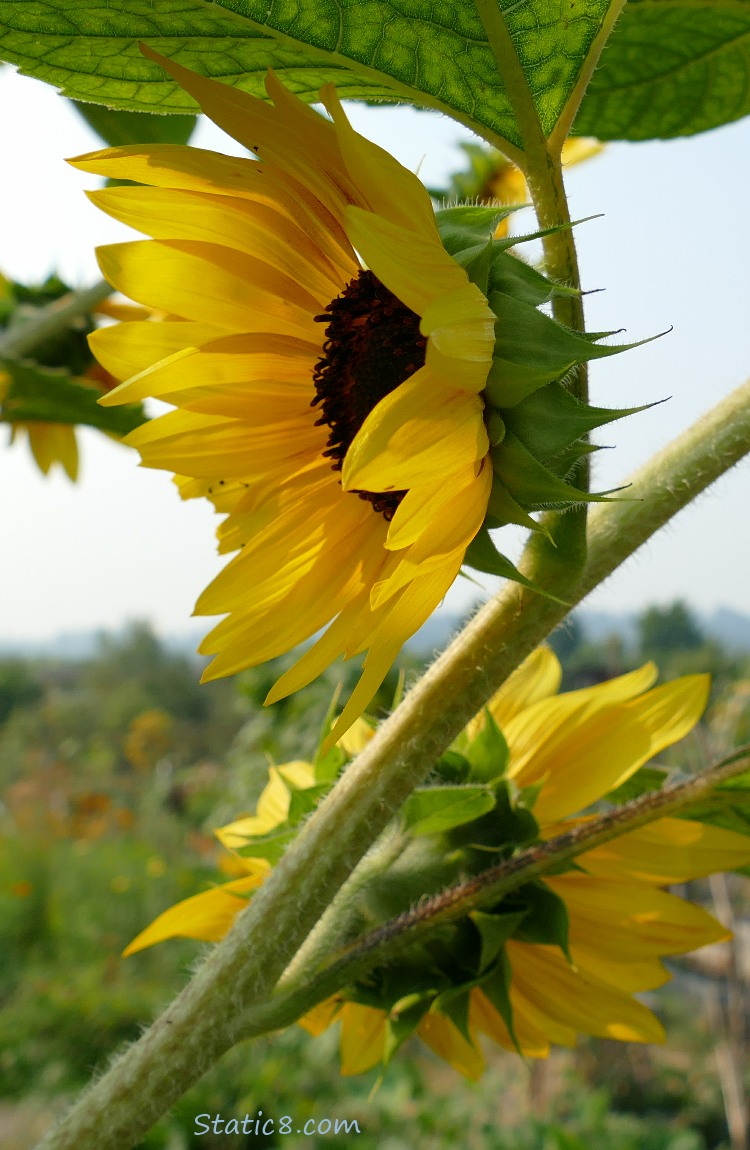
{"points": [[338, 382], [556, 959]]}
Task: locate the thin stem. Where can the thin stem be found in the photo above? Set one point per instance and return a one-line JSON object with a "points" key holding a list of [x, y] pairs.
{"points": [[241, 971], [19, 341]]}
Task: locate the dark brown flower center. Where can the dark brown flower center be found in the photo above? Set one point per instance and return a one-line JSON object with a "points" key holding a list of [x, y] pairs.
{"points": [[372, 344]]}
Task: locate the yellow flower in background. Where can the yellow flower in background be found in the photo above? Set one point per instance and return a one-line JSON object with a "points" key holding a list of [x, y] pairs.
{"points": [[208, 916], [331, 408], [573, 748], [50, 444], [492, 177]]}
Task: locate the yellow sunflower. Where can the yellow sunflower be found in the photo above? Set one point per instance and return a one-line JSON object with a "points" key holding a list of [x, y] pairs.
{"points": [[332, 356], [556, 959]]}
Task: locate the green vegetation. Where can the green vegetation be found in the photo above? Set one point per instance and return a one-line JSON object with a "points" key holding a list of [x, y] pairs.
{"points": [[113, 772]]}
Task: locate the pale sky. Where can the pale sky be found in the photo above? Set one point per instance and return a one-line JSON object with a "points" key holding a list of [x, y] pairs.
{"points": [[672, 250]]}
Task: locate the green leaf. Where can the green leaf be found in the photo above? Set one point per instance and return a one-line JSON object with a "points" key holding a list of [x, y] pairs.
{"points": [[543, 348], [454, 1004], [434, 54], [470, 225], [42, 394], [432, 810], [670, 68], [488, 751], [117, 127]]}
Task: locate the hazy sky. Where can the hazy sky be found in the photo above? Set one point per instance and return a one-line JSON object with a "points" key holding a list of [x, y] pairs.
{"points": [[672, 250]]}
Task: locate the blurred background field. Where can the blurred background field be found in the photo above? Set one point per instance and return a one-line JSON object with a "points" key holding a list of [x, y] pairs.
{"points": [[115, 767]]}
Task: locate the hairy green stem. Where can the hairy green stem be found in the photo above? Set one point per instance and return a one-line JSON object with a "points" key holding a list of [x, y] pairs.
{"points": [[205, 1019], [21, 339], [382, 945]]}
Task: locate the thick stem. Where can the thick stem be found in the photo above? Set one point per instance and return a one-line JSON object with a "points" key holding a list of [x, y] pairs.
{"points": [[240, 973]]}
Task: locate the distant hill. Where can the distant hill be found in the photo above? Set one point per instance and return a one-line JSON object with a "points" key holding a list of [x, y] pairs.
{"points": [[731, 628]]}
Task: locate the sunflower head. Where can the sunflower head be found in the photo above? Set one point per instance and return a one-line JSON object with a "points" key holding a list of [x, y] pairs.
{"points": [[555, 958], [364, 387]]}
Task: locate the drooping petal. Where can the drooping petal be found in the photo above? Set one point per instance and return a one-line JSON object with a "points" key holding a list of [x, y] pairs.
{"points": [[442, 1036], [207, 916], [537, 678], [669, 851], [631, 920], [362, 1040], [273, 805], [578, 1001]]}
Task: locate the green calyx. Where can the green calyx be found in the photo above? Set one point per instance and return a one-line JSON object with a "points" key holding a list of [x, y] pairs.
{"points": [[469, 818], [538, 430]]}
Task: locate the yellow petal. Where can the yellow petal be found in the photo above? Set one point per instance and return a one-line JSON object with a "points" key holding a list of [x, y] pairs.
{"points": [[222, 366], [440, 1034], [669, 851], [125, 349], [206, 446], [357, 737], [444, 540], [538, 677], [578, 1001], [54, 443], [320, 1017], [413, 265], [257, 230], [632, 920], [206, 916], [209, 284], [416, 435], [575, 749], [620, 689], [362, 1041], [484, 1017], [421, 506], [383, 185], [175, 166], [292, 137], [583, 747], [273, 805]]}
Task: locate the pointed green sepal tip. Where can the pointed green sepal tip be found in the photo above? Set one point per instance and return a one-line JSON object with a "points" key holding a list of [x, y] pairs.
{"points": [[467, 225], [532, 484], [551, 419], [482, 555]]}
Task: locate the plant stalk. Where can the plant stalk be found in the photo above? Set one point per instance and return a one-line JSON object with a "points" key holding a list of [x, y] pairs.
{"points": [[19, 341], [205, 1019]]}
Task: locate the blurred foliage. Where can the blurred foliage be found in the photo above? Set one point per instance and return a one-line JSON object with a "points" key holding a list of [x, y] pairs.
{"points": [[113, 771]]}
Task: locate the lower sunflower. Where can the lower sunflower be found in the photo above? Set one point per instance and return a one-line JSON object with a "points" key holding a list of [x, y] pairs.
{"points": [[556, 958], [363, 386]]}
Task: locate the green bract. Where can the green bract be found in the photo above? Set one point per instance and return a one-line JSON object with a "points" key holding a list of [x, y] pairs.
{"points": [[537, 428]]}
